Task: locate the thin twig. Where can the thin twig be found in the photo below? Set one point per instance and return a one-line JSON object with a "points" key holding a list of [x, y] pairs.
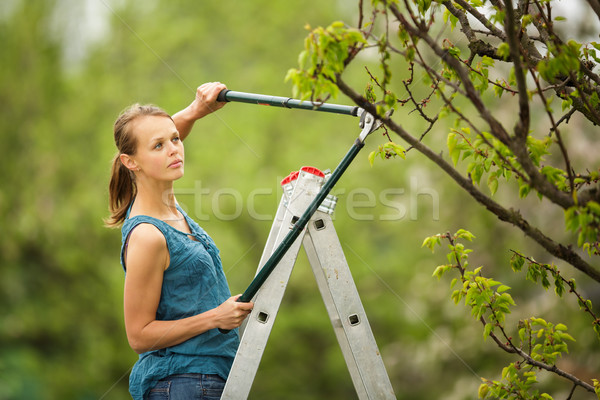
{"points": [[561, 144]]}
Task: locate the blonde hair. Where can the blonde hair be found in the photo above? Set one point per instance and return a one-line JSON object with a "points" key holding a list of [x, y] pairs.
{"points": [[122, 188]]}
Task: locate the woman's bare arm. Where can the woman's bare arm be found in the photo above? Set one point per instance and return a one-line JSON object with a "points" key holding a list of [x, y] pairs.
{"points": [[204, 103], [146, 260]]}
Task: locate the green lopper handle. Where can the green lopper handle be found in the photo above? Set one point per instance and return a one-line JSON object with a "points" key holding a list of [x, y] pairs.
{"points": [[227, 95]]}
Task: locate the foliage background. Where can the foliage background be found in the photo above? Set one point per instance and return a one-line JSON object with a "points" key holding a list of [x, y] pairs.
{"points": [[68, 67]]}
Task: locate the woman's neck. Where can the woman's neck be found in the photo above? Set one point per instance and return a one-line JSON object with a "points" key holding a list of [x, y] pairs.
{"points": [[156, 201]]}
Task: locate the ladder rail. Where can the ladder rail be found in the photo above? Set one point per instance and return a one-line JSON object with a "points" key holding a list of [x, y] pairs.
{"points": [[346, 311]]}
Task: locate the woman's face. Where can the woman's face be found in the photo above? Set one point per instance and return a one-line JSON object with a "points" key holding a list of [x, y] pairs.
{"points": [[159, 155]]}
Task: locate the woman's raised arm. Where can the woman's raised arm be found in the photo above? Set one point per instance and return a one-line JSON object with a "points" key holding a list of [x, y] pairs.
{"points": [[204, 103]]}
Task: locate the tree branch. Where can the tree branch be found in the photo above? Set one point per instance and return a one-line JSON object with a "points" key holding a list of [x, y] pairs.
{"points": [[470, 91], [511, 216], [544, 25], [522, 127], [595, 4], [481, 18], [477, 46], [538, 181], [554, 128], [556, 275], [509, 346], [449, 104], [462, 18], [551, 368]]}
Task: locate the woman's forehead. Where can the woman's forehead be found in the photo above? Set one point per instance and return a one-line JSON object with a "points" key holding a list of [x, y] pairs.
{"points": [[152, 126]]}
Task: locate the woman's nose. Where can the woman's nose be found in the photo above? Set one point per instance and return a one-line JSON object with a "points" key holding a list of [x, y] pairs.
{"points": [[173, 148]]}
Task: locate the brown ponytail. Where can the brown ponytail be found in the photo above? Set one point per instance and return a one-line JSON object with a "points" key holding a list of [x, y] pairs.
{"points": [[122, 187]]}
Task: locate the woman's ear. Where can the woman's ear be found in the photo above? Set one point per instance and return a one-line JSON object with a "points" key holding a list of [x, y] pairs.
{"points": [[128, 162]]}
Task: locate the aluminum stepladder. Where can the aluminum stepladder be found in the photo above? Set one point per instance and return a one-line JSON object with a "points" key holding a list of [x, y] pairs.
{"points": [[335, 283]]}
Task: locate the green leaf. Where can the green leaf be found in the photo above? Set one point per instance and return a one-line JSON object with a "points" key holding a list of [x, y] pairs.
{"points": [[483, 391], [487, 61], [477, 173], [503, 50], [453, 22], [372, 157], [594, 207], [560, 327], [493, 184], [596, 383], [396, 148], [370, 94], [507, 298], [567, 103], [524, 189], [456, 296], [537, 148], [431, 241], [454, 150], [464, 234], [423, 5], [516, 262], [502, 288], [565, 335], [554, 175], [439, 271], [522, 334], [498, 89], [571, 218], [487, 330]]}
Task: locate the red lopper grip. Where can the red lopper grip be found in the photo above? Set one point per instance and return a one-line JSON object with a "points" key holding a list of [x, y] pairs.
{"points": [[291, 177], [313, 170]]}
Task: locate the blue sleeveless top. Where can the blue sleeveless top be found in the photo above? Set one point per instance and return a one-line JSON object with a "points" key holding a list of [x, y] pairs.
{"points": [[193, 283]]}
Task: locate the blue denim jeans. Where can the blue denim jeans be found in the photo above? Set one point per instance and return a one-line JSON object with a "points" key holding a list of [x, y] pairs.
{"points": [[188, 386]]}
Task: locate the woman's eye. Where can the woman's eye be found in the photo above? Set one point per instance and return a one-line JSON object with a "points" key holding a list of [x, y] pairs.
{"points": [[158, 146], [176, 139]]}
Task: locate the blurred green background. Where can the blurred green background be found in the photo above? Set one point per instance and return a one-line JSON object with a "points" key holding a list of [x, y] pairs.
{"points": [[69, 67]]}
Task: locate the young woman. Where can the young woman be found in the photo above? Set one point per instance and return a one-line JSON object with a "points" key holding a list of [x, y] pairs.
{"points": [[176, 295]]}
